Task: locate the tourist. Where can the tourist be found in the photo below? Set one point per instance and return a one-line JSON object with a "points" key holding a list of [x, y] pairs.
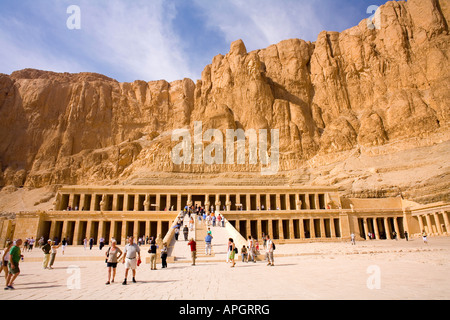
{"points": [[30, 244], [219, 219], [244, 254], [113, 255], [131, 254], [231, 251], [193, 246], [208, 240], [191, 224], [177, 232], [85, 242], [152, 251], [14, 259], [91, 243], [5, 259], [41, 242], [164, 253], [46, 248], [352, 237], [251, 249], [269, 251], [54, 248], [406, 235], [186, 232], [102, 243], [64, 245], [424, 237]]}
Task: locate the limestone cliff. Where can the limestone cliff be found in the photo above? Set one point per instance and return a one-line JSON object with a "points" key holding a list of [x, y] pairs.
{"points": [[350, 107]]}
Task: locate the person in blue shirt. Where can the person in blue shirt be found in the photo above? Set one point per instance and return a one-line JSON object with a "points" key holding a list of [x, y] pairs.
{"points": [[208, 240]]}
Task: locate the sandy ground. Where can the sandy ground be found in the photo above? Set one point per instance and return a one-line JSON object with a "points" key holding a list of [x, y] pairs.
{"points": [[375, 270]]}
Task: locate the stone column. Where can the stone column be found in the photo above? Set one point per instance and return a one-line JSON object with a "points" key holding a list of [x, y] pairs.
{"points": [[301, 229], [101, 229], [430, 228], [333, 229], [375, 226], [82, 198], [248, 204], [158, 229], [89, 229], [112, 231], [94, 196], [322, 228], [397, 229], [268, 204], [135, 230], [124, 232], [366, 230], [217, 203], [316, 201], [147, 203], [291, 229], [228, 202], [76, 233], [259, 226], [438, 224], [147, 227], [115, 202], [179, 203], [278, 201], [64, 229], [446, 222], [125, 202], [136, 202], [158, 202], [312, 230], [421, 226], [270, 228], [248, 228], [308, 205], [280, 229], [386, 228]]}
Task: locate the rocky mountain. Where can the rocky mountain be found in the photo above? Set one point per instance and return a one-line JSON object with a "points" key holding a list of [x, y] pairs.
{"points": [[366, 109]]}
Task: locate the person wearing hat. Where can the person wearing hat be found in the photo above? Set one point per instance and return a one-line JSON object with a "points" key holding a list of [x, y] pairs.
{"points": [[46, 248]]}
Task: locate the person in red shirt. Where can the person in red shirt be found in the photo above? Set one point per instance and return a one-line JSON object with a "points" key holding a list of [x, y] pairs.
{"points": [[193, 246]]}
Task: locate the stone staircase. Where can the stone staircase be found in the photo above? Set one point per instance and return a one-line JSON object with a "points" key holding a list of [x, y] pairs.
{"points": [[200, 233]]}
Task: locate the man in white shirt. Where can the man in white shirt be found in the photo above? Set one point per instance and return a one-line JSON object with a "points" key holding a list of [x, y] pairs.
{"points": [[251, 249], [269, 251], [131, 254]]}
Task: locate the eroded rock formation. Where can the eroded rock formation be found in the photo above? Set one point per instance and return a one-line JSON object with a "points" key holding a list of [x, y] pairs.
{"points": [[348, 94]]}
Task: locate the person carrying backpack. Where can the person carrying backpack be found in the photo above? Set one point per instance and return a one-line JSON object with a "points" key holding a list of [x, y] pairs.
{"points": [[270, 246]]}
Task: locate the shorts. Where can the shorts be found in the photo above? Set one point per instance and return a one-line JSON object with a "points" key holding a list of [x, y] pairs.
{"points": [[130, 263], [16, 268], [111, 264]]}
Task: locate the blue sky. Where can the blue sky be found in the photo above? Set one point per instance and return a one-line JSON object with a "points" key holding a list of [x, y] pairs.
{"points": [[157, 39]]}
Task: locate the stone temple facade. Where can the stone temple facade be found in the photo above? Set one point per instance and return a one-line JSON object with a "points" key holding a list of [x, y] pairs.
{"points": [[289, 214]]}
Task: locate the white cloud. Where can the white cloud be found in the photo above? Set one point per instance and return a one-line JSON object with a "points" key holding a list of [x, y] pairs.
{"points": [[261, 23], [128, 40], [137, 38]]}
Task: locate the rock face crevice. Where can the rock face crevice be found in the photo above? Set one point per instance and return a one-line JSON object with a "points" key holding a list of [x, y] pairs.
{"points": [[363, 88]]}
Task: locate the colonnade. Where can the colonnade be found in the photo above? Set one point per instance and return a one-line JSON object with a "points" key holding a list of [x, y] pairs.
{"points": [[210, 201], [434, 222]]}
